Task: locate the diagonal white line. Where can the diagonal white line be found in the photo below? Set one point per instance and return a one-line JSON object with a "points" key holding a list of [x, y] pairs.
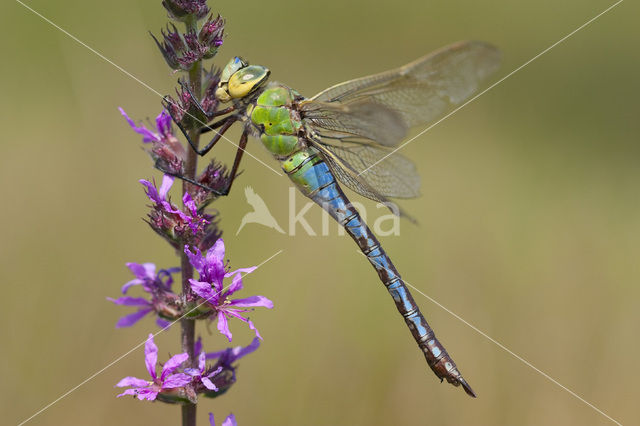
{"points": [[115, 361], [128, 74], [510, 352], [492, 86]]}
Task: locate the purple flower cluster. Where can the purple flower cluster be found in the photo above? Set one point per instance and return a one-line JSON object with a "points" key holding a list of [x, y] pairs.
{"points": [[179, 226], [162, 300], [193, 234], [169, 156], [214, 301], [181, 51], [218, 298], [177, 383], [168, 380], [166, 150]]}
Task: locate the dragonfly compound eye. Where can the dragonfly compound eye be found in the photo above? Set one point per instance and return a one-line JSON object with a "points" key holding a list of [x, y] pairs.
{"points": [[231, 68], [246, 80]]}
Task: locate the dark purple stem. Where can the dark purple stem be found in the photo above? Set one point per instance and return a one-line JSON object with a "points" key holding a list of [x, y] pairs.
{"points": [[188, 326]]}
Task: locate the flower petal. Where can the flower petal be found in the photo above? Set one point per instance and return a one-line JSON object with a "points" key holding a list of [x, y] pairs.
{"points": [[133, 392], [147, 135], [147, 393], [163, 123], [131, 319], [162, 323], [216, 252], [253, 327], [176, 381], [132, 381], [129, 301], [142, 271], [230, 355], [208, 384], [239, 351], [202, 361], [173, 363], [223, 327], [195, 259], [193, 372], [167, 181], [197, 347], [189, 204], [230, 421], [243, 270], [151, 356], [129, 284], [151, 191], [204, 290], [212, 422], [236, 284], [253, 301]]}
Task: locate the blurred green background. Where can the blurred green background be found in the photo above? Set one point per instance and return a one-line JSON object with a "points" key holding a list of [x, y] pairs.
{"points": [[529, 220]]}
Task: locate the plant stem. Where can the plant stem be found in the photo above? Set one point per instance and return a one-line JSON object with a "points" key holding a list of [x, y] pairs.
{"points": [[188, 326]]}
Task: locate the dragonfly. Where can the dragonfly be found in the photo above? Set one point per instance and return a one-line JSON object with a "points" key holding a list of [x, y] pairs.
{"points": [[345, 135]]}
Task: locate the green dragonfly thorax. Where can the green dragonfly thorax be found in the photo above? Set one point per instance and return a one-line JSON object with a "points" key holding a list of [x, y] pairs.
{"points": [[276, 119]]}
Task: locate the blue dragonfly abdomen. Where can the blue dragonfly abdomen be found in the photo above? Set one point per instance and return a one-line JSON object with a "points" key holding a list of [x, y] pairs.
{"points": [[308, 170]]}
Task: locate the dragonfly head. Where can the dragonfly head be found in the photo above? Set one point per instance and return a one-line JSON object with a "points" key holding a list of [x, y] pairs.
{"points": [[239, 79]]}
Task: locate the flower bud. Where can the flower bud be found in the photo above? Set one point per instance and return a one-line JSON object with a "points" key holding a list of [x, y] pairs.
{"points": [[184, 10], [211, 35]]}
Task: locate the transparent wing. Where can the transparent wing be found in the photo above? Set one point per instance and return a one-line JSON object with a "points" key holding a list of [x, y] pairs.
{"points": [[359, 120], [349, 177], [391, 175], [382, 107]]}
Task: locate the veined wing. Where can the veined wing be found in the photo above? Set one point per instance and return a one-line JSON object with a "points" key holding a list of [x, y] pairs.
{"points": [[347, 174], [357, 120], [416, 93], [390, 174]]}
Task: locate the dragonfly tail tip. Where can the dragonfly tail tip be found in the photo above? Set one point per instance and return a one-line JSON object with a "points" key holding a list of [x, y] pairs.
{"points": [[467, 388]]}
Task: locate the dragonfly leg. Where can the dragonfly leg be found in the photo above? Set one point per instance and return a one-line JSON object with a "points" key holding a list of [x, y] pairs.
{"points": [[192, 181], [224, 126], [166, 103], [198, 105], [193, 98], [236, 162], [232, 175]]}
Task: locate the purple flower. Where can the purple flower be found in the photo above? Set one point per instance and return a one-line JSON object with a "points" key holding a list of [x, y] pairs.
{"points": [[210, 287], [146, 276], [162, 300], [163, 128], [211, 35], [166, 150], [181, 51], [214, 176], [210, 82], [203, 374], [227, 357], [179, 226], [145, 307], [164, 205], [225, 368], [229, 421], [149, 390]]}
